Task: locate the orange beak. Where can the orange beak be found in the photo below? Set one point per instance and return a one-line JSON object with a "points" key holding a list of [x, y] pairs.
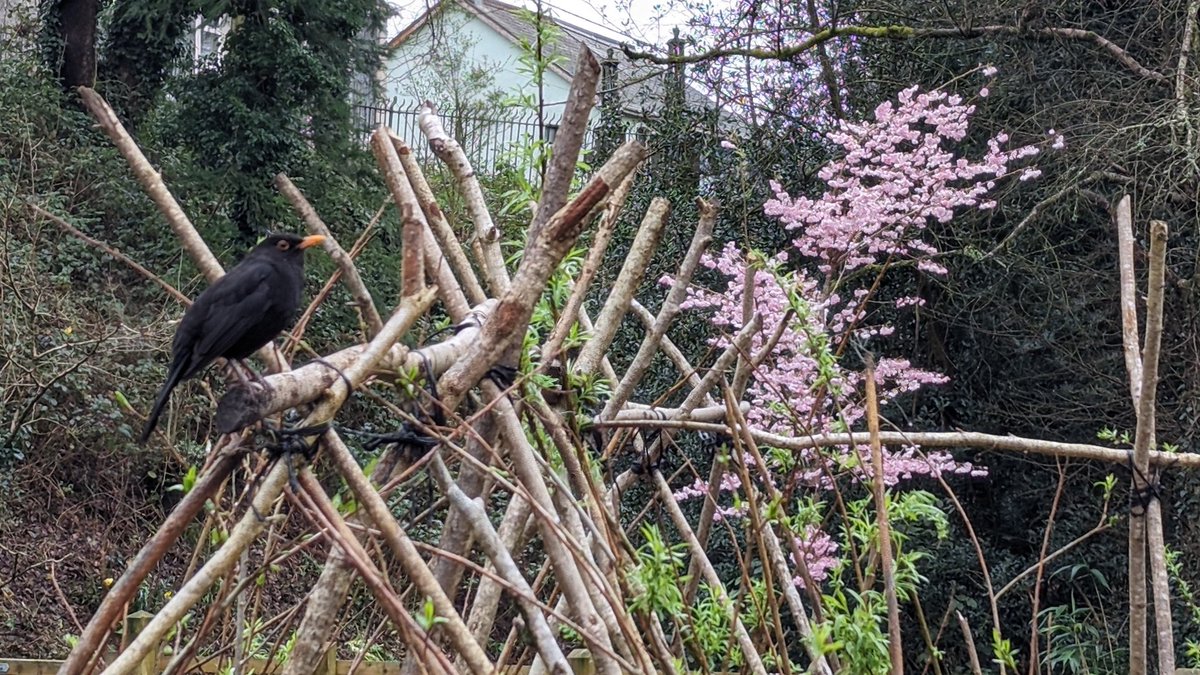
{"points": [[311, 240]]}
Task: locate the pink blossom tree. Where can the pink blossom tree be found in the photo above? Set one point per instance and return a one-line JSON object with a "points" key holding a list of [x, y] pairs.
{"points": [[895, 175]]}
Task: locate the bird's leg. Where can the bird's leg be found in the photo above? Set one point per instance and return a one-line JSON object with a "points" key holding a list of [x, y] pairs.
{"points": [[235, 367], [240, 370], [255, 375]]}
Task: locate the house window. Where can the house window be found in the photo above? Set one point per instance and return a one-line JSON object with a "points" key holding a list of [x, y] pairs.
{"points": [[207, 37]]}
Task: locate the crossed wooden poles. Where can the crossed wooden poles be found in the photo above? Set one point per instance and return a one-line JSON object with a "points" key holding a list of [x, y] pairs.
{"points": [[577, 517]]}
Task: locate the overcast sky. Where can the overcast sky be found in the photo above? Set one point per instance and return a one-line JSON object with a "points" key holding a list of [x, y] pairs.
{"points": [[647, 21]]}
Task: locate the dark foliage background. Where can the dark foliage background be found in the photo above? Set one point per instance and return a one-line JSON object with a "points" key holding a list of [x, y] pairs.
{"points": [[1026, 324]]}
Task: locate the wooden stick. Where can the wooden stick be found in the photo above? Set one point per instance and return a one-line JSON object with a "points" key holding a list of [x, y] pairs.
{"points": [[153, 184], [1143, 525], [239, 407], [666, 314], [407, 555], [626, 285], [976, 669], [412, 244], [820, 662], [573, 311], [412, 217], [672, 352], [326, 516], [932, 439], [354, 283], [498, 553], [1129, 321], [887, 565], [441, 237], [667, 499], [487, 235], [571, 131]]}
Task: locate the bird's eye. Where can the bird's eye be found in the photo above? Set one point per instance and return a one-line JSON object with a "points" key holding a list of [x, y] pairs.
{"points": [[282, 245]]}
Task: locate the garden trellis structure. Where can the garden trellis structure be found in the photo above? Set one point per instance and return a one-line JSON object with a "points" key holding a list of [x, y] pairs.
{"points": [[478, 422]]}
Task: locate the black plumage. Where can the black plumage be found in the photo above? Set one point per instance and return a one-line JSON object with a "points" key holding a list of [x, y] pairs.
{"points": [[237, 315]]}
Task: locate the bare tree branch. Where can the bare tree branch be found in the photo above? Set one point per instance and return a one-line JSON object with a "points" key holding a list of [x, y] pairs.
{"points": [[910, 33]]}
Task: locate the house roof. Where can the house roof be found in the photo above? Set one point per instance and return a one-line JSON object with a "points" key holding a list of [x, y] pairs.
{"points": [[640, 85]]}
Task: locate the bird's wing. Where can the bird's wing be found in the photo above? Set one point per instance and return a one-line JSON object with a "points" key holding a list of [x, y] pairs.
{"points": [[234, 309]]}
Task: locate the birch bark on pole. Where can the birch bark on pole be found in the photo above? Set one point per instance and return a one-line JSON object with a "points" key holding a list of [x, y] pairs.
{"points": [[459, 533], [152, 182], [632, 271], [1133, 363], [412, 217], [1145, 520], [486, 233], [569, 139], [448, 249], [412, 243], [487, 597], [407, 555], [239, 408]]}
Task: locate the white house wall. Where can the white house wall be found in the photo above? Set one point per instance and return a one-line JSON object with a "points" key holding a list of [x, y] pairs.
{"points": [[484, 45]]}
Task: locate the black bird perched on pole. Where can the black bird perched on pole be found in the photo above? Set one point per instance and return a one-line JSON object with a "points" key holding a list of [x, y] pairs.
{"points": [[239, 313]]}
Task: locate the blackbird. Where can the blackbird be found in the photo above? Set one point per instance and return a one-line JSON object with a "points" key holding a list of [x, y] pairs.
{"points": [[239, 313]]}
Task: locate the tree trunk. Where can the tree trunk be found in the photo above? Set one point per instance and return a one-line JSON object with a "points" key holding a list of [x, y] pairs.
{"points": [[76, 20]]}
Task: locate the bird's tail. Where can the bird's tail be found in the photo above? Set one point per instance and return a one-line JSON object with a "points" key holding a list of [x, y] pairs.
{"points": [[173, 378]]}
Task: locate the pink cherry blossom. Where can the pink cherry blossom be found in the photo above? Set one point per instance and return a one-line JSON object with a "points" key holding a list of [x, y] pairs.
{"points": [[894, 177]]}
